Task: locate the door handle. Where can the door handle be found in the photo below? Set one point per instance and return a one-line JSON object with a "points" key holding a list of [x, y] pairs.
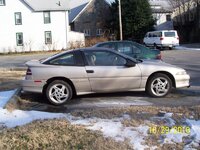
{"points": [[90, 71]]}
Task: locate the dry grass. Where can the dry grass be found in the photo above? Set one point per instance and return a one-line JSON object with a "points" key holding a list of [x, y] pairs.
{"points": [[10, 79], [92, 41], [140, 112], [30, 52], [56, 134]]}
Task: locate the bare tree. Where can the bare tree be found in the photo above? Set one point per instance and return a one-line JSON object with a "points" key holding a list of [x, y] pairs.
{"points": [[185, 15], [28, 45]]}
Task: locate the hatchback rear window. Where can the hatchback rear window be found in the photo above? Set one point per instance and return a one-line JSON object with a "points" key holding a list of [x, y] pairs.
{"points": [[170, 34]]}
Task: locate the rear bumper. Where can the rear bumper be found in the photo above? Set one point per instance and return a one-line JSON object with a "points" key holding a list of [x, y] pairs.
{"points": [[168, 45], [182, 81], [32, 86]]}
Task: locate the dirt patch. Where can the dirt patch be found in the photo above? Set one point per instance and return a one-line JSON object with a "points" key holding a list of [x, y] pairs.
{"points": [[10, 79], [143, 112], [56, 134]]}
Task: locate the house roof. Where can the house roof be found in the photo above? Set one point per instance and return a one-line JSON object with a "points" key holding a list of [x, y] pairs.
{"points": [[76, 3], [161, 10], [74, 12], [48, 5], [163, 3]]}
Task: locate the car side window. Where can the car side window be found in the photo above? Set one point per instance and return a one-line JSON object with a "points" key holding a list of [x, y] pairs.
{"points": [[104, 58], [125, 48], [136, 50], [66, 60]]}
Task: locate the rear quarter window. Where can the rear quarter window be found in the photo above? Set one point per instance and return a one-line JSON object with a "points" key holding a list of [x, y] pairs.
{"points": [[65, 60]]}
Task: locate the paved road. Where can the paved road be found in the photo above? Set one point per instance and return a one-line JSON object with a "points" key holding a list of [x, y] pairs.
{"points": [[18, 61], [188, 60]]}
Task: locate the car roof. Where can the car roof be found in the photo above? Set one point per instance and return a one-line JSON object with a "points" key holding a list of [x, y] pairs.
{"points": [[115, 42], [162, 31], [81, 49]]}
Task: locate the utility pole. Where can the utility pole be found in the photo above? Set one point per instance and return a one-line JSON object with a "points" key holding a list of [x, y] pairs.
{"points": [[120, 21]]}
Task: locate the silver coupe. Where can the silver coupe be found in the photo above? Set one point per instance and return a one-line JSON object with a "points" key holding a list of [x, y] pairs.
{"points": [[98, 70]]}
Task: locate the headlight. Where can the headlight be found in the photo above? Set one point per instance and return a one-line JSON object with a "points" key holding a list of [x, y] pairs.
{"points": [[181, 72]]}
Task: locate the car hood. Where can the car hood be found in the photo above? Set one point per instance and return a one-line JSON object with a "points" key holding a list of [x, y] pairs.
{"points": [[150, 66]]}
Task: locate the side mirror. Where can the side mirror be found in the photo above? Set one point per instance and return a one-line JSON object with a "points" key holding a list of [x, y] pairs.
{"points": [[129, 63]]}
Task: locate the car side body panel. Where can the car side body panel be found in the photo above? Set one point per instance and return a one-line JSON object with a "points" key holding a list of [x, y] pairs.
{"points": [[114, 78]]}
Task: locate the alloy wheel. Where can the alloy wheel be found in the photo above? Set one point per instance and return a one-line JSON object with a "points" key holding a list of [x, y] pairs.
{"points": [[160, 86], [59, 93]]}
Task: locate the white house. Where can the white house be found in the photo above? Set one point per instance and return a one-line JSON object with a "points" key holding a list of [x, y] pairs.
{"points": [[34, 25], [162, 13]]}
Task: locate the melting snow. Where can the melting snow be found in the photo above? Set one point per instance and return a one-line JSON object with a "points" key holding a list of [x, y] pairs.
{"points": [[5, 96]]}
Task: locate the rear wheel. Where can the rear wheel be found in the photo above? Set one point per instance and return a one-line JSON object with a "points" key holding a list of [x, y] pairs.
{"points": [[59, 92], [155, 46], [159, 85]]}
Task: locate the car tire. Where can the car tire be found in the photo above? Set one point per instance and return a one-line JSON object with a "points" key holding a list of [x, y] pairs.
{"points": [[155, 46], [159, 85], [59, 92]]}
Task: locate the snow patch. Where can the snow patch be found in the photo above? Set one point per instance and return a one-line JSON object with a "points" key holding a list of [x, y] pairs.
{"points": [[5, 97], [186, 48], [18, 117]]}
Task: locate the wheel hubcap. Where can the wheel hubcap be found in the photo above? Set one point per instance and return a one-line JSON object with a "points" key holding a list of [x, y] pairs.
{"points": [[59, 93], [160, 86]]}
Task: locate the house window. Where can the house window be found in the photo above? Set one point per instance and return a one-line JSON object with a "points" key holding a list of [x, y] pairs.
{"points": [[48, 37], [99, 32], [19, 38], [18, 18], [168, 17], [87, 32], [2, 3], [47, 17]]}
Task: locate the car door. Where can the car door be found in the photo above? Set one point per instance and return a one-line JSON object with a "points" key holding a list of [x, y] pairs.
{"points": [[107, 71]]}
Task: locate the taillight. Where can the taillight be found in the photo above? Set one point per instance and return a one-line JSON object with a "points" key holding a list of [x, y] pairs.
{"points": [[28, 72], [159, 56], [161, 38]]}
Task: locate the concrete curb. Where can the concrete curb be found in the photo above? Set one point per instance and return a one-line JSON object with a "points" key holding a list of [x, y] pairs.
{"points": [[13, 98]]}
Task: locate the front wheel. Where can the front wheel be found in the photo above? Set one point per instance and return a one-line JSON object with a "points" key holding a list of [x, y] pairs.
{"points": [[159, 85], [58, 92]]}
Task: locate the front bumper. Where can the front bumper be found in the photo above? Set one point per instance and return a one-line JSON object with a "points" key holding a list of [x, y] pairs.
{"points": [[182, 81]]}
